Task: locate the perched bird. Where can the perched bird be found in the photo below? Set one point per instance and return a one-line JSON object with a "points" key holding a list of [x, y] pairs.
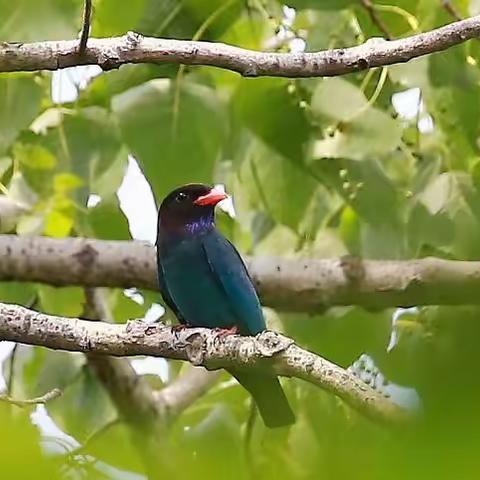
{"points": [[205, 283]]}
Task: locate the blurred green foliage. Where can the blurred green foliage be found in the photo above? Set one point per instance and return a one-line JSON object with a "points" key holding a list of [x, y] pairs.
{"points": [[317, 167]]}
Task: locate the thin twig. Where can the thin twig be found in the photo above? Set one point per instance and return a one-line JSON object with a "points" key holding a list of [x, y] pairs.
{"points": [[11, 366], [87, 20], [447, 5], [49, 396], [370, 8]]}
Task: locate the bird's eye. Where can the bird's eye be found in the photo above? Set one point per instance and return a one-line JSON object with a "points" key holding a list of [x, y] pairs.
{"points": [[181, 197]]}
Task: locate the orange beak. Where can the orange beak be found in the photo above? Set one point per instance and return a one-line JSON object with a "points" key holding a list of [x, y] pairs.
{"points": [[214, 196]]}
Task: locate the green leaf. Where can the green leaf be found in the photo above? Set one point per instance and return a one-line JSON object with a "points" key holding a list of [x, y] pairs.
{"points": [[39, 370], [452, 101], [266, 107], [338, 99], [360, 131], [17, 429], [453, 194], [184, 18], [110, 20], [18, 293], [342, 334], [31, 225], [124, 308], [65, 301], [85, 144], [281, 240], [365, 185], [107, 221], [322, 4], [34, 156], [107, 184], [172, 148], [319, 27], [32, 20], [426, 229], [66, 182], [10, 213], [20, 97], [124, 456], [20, 191], [275, 184], [58, 224], [84, 406], [220, 14]]}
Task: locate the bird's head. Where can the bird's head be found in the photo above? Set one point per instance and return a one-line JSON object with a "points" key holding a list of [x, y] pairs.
{"points": [[189, 208]]}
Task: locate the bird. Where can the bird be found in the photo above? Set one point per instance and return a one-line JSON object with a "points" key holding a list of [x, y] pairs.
{"points": [[203, 280]]}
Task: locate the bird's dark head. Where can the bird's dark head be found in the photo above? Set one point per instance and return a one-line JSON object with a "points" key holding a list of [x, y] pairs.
{"points": [[189, 209]]}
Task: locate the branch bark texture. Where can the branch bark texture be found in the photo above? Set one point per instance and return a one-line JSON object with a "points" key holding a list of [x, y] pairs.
{"points": [[270, 351], [135, 400], [111, 53], [47, 397], [303, 285], [131, 394]]}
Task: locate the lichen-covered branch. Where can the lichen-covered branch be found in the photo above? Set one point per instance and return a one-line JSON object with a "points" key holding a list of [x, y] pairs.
{"points": [[269, 350], [111, 53], [303, 285]]}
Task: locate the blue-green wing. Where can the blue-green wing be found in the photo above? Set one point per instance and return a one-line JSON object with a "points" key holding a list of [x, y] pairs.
{"points": [[167, 298], [234, 281]]}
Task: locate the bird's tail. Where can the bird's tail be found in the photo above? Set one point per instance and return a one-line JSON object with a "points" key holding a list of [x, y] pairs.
{"points": [[269, 396]]}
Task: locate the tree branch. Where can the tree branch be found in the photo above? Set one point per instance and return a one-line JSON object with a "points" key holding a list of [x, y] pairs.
{"points": [[113, 52], [374, 17], [447, 5], [47, 397], [303, 285], [130, 393], [269, 351], [135, 400], [185, 390], [87, 19]]}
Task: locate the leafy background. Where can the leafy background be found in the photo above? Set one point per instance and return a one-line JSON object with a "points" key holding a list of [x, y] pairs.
{"points": [[383, 164]]}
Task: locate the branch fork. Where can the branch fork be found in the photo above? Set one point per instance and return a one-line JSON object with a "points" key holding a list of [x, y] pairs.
{"points": [[201, 346]]}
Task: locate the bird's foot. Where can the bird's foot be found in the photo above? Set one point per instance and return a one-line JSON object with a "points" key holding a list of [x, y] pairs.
{"points": [[224, 332], [180, 327]]}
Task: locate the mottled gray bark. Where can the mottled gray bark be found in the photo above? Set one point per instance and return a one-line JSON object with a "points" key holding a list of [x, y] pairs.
{"points": [[135, 400], [269, 351], [111, 53], [302, 285]]}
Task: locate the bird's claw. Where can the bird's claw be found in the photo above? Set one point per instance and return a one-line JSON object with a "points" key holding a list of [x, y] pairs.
{"points": [[180, 327], [224, 332]]}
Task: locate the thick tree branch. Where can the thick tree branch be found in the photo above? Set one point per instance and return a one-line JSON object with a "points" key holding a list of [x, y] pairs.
{"points": [[270, 351], [111, 53], [306, 285]]}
